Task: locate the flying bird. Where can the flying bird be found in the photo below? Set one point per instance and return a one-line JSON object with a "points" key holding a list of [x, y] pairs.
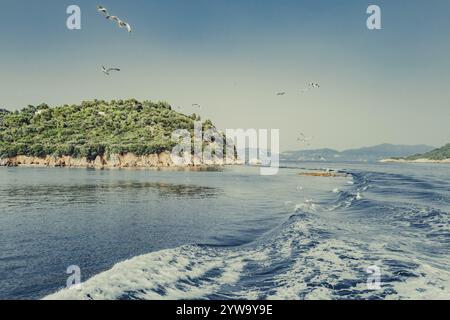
{"points": [[113, 18], [304, 139], [281, 94], [102, 10], [196, 105], [120, 23], [108, 70], [311, 85], [125, 25]]}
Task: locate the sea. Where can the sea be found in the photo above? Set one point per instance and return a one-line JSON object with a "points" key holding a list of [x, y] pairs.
{"points": [[368, 231]]}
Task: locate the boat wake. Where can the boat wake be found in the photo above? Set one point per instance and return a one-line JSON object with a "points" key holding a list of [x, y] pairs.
{"points": [[321, 252]]}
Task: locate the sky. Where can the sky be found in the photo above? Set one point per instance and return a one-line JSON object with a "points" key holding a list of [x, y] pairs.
{"points": [[233, 56]]}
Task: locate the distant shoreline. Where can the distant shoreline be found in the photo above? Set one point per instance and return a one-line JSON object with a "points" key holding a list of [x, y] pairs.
{"points": [[415, 161]]}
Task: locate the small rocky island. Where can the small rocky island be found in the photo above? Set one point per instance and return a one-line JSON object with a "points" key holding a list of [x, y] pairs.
{"points": [[95, 134]]}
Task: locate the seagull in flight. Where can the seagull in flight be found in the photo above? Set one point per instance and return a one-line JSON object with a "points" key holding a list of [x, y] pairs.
{"points": [[281, 94], [113, 18], [196, 105], [304, 139], [120, 23], [311, 85], [102, 10], [125, 25], [108, 70]]}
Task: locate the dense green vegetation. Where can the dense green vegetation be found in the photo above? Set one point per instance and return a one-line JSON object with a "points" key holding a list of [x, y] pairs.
{"points": [[92, 128], [437, 154]]}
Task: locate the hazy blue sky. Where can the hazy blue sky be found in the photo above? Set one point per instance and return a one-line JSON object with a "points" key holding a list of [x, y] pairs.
{"points": [[233, 56]]}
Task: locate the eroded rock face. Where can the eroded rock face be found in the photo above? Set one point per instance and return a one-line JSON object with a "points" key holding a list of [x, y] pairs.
{"points": [[128, 160]]}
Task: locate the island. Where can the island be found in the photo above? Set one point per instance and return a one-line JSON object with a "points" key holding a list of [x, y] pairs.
{"points": [[440, 155], [95, 134]]}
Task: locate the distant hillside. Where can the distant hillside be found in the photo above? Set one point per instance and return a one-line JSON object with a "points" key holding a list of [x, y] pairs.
{"points": [[311, 155], [436, 154], [366, 154], [94, 128]]}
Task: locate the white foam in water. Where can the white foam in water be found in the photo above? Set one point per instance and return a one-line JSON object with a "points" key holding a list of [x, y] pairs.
{"points": [[307, 206], [180, 273], [330, 269], [314, 255], [316, 267], [431, 284]]}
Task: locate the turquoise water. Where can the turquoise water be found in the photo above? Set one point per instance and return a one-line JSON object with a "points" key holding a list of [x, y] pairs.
{"points": [[226, 234]]}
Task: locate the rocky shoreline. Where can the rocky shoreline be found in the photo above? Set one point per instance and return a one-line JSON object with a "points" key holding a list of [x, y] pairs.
{"points": [[129, 160]]}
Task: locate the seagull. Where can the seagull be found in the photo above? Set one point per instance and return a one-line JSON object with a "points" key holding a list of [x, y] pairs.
{"points": [[113, 18], [311, 85], [196, 105], [107, 71], [124, 25], [102, 10], [304, 139], [120, 23], [281, 94]]}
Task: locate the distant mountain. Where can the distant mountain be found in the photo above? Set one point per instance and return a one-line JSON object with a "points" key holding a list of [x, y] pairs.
{"points": [[311, 155], [366, 154], [436, 154], [381, 151]]}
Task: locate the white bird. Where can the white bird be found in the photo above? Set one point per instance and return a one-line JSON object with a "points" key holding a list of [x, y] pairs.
{"points": [[113, 18], [196, 105], [108, 70], [102, 10], [311, 85], [125, 25], [304, 139], [120, 23], [281, 94]]}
